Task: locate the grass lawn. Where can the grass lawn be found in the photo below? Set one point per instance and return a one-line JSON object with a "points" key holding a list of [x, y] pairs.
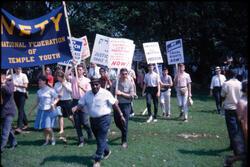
{"points": [[201, 142]]}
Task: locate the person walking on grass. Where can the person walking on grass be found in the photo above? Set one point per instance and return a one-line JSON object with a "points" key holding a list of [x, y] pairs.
{"points": [[8, 112], [152, 89], [20, 81], [99, 102], [231, 93], [64, 89], [132, 77], [80, 86], [47, 99], [166, 84], [182, 83], [215, 88], [242, 122], [125, 93]]}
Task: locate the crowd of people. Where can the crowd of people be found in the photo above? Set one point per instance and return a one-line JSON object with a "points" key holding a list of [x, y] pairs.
{"points": [[87, 98]]}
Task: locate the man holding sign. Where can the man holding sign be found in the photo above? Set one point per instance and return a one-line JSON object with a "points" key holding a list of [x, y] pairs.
{"points": [[152, 79], [152, 89]]}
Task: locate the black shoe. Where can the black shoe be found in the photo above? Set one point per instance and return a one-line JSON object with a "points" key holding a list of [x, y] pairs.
{"points": [[106, 156], [181, 114]]}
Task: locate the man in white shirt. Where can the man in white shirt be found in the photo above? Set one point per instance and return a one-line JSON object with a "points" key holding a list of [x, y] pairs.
{"points": [[94, 71], [231, 92], [182, 83], [99, 102], [215, 88], [152, 89], [20, 81]]}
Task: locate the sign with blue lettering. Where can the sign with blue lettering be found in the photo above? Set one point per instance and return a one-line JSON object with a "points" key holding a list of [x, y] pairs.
{"points": [[27, 43], [78, 49], [174, 50]]}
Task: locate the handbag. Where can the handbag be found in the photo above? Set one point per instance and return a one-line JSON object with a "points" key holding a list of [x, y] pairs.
{"points": [[183, 91]]}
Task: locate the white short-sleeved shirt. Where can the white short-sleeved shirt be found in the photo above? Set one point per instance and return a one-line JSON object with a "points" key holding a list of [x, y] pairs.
{"points": [[151, 79], [98, 104], [231, 90], [46, 97], [94, 72], [217, 81], [64, 92], [183, 80], [20, 79]]}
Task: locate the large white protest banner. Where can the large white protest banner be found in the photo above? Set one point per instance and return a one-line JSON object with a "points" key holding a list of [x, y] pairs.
{"points": [[86, 52], [100, 50], [174, 50], [152, 52], [120, 53]]}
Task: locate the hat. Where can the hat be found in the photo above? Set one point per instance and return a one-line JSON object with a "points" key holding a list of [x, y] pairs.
{"points": [[94, 79], [217, 68]]}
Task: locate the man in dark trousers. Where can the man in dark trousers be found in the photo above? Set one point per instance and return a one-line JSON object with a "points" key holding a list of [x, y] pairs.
{"points": [[125, 93], [8, 111], [98, 103], [152, 89]]}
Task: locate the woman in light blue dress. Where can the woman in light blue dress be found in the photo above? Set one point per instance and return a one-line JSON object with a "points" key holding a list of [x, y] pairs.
{"points": [[46, 113]]}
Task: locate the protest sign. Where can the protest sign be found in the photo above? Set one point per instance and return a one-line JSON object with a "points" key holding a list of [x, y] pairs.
{"points": [[138, 56], [174, 50], [66, 63], [86, 52], [77, 49], [152, 52], [120, 53], [27, 43], [100, 50]]}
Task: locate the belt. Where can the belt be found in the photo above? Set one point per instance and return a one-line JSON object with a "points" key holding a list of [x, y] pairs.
{"points": [[100, 116]]}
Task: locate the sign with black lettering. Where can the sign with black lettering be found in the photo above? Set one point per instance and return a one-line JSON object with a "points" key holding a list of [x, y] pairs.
{"points": [[152, 52], [174, 51]]}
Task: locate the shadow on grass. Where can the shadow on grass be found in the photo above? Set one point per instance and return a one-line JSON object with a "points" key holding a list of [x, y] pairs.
{"points": [[83, 160], [74, 141], [138, 118], [31, 143], [203, 152], [113, 141], [209, 111]]}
